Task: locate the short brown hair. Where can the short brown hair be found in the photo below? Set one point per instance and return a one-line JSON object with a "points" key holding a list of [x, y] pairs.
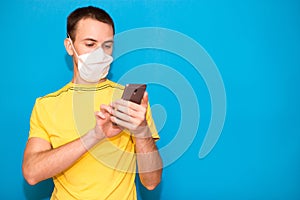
{"points": [[87, 12]]}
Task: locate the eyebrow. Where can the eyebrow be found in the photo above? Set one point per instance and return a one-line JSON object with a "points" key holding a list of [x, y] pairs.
{"points": [[89, 39], [108, 41], [93, 40]]}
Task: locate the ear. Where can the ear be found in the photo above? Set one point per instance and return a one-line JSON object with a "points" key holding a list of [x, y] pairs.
{"points": [[68, 46]]}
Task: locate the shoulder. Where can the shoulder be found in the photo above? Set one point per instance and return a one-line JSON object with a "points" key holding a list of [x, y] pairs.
{"points": [[54, 95]]}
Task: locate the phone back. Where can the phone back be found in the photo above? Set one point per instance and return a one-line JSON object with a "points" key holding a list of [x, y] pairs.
{"points": [[134, 93]]}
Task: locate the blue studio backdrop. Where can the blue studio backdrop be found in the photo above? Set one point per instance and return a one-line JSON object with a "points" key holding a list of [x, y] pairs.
{"points": [[248, 97]]}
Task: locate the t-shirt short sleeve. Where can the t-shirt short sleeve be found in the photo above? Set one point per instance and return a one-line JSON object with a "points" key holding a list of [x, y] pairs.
{"points": [[37, 128], [151, 124]]}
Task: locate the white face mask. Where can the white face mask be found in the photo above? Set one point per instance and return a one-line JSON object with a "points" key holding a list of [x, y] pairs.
{"points": [[93, 66]]}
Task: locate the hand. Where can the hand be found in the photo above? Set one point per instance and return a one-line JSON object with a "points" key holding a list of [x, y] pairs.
{"points": [[104, 126], [131, 116]]}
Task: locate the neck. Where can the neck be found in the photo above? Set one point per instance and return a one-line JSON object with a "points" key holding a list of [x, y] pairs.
{"points": [[78, 80]]}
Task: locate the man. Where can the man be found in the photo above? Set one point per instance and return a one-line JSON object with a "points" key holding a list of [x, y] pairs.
{"points": [[84, 136]]}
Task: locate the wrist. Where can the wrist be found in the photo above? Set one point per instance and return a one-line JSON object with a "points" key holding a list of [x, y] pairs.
{"points": [[96, 135], [142, 133], [91, 138]]}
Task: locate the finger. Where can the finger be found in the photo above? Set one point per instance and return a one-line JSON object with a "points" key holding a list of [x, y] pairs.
{"points": [[106, 108], [132, 127], [127, 104], [123, 109], [121, 123], [120, 102], [131, 117], [99, 114], [121, 115], [144, 102], [127, 114]]}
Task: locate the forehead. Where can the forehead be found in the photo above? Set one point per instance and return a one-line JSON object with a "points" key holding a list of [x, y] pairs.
{"points": [[93, 29]]}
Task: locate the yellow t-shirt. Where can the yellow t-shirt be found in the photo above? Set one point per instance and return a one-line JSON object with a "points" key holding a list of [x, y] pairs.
{"points": [[107, 171]]}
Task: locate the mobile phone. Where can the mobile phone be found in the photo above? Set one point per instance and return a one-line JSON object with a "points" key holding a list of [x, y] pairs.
{"points": [[134, 92]]}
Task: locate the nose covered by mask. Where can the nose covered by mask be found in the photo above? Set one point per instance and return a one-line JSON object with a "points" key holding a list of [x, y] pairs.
{"points": [[93, 66]]}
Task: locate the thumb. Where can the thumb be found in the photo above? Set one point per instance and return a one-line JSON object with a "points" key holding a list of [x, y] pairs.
{"points": [[144, 102]]}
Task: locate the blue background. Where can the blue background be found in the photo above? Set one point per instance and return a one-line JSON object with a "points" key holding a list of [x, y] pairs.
{"points": [[255, 45]]}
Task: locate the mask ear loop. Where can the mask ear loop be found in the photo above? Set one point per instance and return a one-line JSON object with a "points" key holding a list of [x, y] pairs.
{"points": [[78, 58], [69, 37]]}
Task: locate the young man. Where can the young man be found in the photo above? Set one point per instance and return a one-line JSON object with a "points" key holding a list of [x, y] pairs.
{"points": [[84, 136]]}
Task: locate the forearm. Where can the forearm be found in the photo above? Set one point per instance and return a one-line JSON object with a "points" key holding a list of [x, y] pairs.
{"points": [[133, 117], [149, 162], [40, 165]]}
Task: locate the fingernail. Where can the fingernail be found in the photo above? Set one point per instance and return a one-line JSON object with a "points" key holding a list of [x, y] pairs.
{"points": [[112, 119], [101, 115]]}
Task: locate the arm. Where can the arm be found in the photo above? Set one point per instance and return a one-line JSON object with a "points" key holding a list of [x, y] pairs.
{"points": [[149, 162], [133, 117], [41, 161]]}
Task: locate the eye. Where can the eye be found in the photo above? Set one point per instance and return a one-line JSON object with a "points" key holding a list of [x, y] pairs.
{"points": [[90, 44], [107, 45]]}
